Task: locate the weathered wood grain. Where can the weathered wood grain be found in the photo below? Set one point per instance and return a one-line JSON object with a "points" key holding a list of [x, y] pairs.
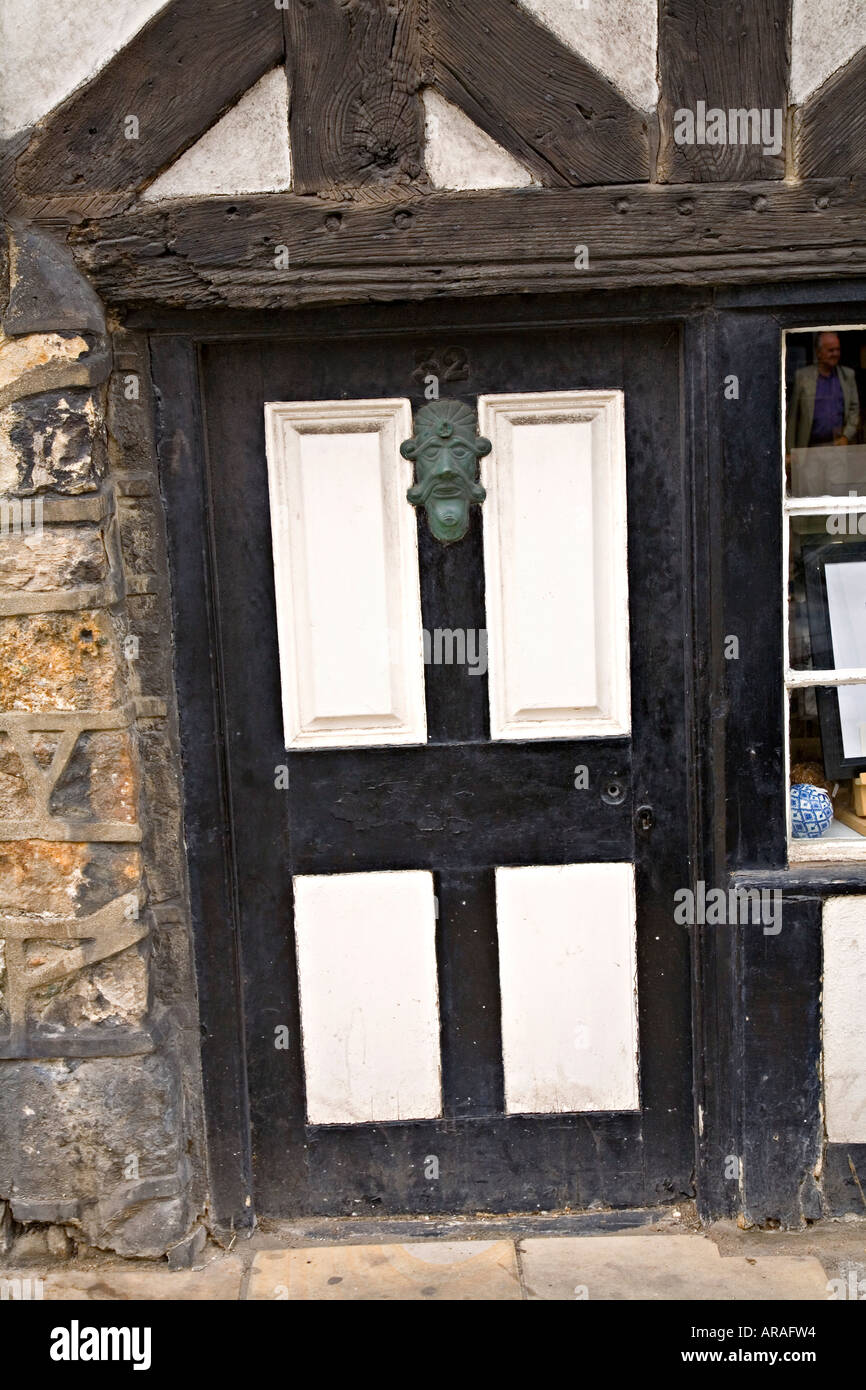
{"points": [[356, 117], [730, 54], [221, 252], [832, 134], [176, 76], [542, 102]]}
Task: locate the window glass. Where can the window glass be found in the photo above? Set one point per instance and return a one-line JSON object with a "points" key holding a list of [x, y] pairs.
{"points": [[827, 591], [825, 518], [825, 381]]}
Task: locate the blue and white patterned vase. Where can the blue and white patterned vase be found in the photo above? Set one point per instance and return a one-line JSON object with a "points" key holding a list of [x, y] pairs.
{"points": [[811, 811]]}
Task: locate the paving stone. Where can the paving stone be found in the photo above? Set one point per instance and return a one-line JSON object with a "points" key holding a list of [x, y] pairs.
{"points": [[662, 1267], [218, 1281], [435, 1271]]}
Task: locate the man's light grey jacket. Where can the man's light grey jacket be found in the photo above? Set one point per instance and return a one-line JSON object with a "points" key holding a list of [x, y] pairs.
{"points": [[801, 406]]}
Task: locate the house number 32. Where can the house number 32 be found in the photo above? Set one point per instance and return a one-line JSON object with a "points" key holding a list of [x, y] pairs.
{"points": [[435, 365]]}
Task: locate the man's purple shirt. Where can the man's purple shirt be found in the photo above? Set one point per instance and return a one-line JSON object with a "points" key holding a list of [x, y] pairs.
{"points": [[829, 408]]}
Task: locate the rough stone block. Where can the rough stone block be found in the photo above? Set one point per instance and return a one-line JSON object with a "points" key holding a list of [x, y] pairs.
{"points": [[59, 661], [47, 361], [188, 1251], [149, 1228], [61, 880], [99, 781], [110, 870], [5, 1228], [112, 994], [16, 796], [129, 411], [138, 535], [37, 876], [47, 291], [31, 1247], [105, 1132], [163, 816], [52, 559], [171, 967], [52, 442], [148, 620], [59, 1244]]}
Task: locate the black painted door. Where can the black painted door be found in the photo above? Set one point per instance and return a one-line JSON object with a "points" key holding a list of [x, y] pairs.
{"points": [[460, 805]]}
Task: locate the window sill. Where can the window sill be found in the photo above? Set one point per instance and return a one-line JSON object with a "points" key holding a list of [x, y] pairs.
{"points": [[828, 851], [813, 878]]}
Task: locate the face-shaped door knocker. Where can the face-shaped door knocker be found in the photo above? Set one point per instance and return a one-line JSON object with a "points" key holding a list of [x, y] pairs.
{"points": [[445, 450]]}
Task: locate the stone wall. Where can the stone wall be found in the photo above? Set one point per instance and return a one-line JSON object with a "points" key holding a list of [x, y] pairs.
{"points": [[100, 1112]]}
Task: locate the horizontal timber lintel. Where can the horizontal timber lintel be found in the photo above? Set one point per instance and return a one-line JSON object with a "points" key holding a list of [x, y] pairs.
{"points": [[283, 250]]}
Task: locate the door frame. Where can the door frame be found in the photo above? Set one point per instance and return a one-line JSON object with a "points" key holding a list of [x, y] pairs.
{"points": [[715, 970]]}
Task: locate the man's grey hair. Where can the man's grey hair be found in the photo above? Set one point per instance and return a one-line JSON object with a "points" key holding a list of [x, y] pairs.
{"points": [[816, 341]]}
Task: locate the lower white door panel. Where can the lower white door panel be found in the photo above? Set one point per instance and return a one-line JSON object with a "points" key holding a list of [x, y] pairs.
{"points": [[369, 995], [568, 978]]}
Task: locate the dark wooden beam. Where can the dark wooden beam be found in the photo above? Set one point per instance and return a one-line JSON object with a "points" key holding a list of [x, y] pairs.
{"points": [[832, 134], [176, 77], [730, 55], [354, 70], [226, 252], [542, 102]]}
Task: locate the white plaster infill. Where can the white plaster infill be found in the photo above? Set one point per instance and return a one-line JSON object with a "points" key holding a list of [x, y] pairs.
{"points": [[825, 34], [460, 155], [618, 37], [844, 1019], [47, 50], [246, 151]]}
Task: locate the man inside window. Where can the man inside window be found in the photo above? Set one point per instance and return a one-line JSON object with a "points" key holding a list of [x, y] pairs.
{"points": [[824, 406]]}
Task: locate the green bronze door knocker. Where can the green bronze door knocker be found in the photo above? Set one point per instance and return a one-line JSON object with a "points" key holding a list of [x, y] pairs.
{"points": [[445, 449]]}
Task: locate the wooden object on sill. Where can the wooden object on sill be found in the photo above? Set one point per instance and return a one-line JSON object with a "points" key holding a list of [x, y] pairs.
{"points": [[858, 794], [844, 811]]}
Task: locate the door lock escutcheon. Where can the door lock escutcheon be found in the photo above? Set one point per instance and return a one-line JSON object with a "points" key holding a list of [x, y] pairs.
{"points": [[644, 818]]}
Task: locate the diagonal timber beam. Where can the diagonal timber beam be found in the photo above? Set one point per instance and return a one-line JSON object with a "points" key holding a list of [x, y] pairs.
{"points": [[537, 98], [162, 91]]}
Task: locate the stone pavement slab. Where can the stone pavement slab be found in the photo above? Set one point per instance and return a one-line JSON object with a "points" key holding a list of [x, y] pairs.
{"points": [[433, 1271], [662, 1267], [218, 1281], [650, 1265]]}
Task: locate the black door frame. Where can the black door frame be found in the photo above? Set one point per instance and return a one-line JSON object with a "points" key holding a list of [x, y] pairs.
{"points": [[755, 1005], [459, 804]]}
